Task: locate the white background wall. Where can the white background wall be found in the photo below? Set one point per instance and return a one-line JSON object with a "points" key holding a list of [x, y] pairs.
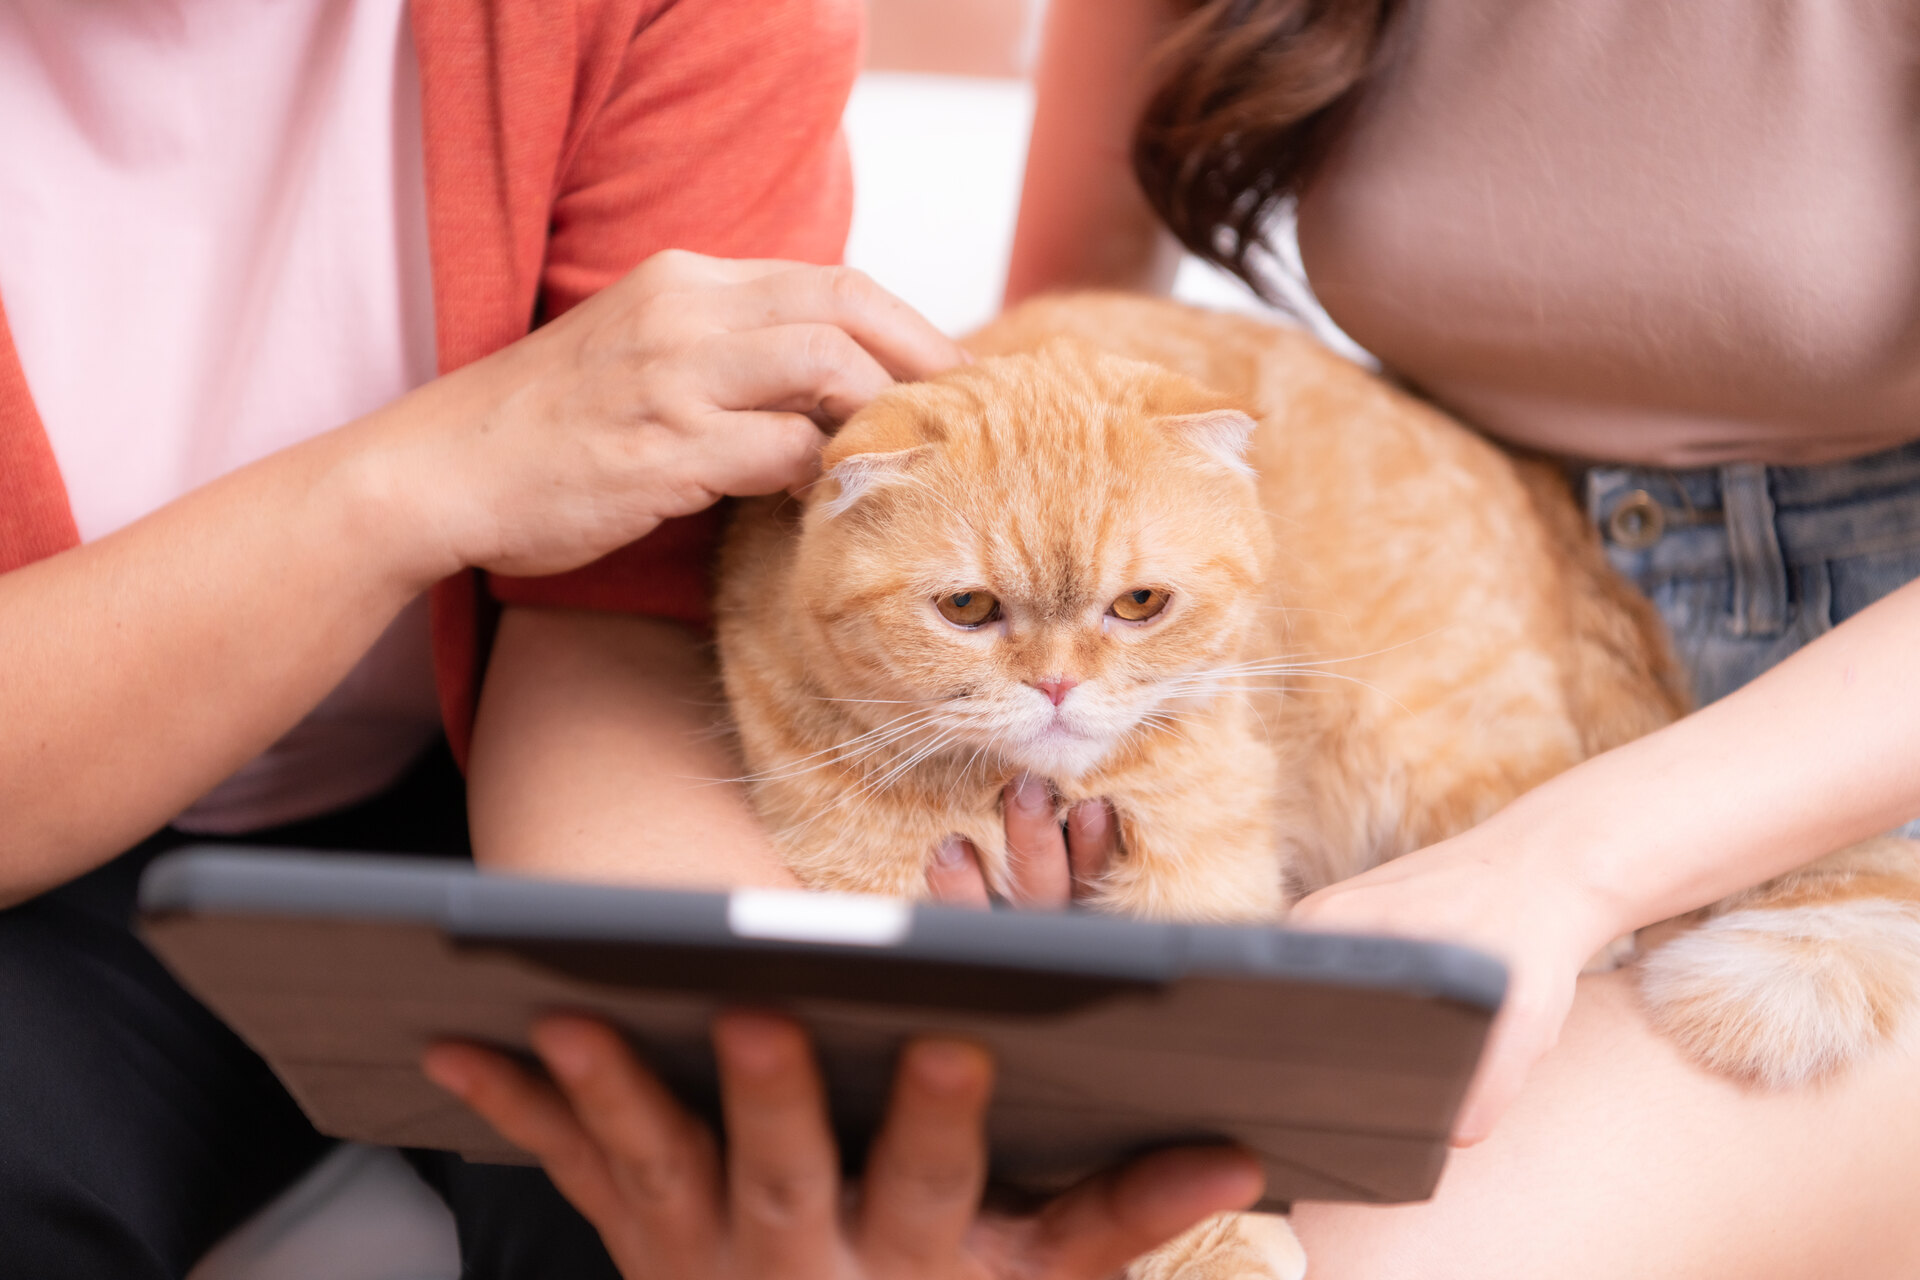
{"points": [[937, 162]]}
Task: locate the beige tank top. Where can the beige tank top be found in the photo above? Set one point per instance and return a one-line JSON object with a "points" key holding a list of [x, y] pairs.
{"points": [[1678, 232]]}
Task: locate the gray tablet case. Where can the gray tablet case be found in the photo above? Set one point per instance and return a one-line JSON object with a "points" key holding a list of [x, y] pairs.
{"points": [[1339, 1059]]}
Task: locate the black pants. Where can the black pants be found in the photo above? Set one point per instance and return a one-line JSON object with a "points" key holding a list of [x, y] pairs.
{"points": [[136, 1129]]}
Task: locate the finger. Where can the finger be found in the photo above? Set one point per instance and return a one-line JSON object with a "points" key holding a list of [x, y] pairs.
{"points": [[531, 1114], [782, 1169], [904, 342], [1093, 1231], [660, 1160], [789, 366], [954, 876], [1524, 1029], [927, 1166], [1093, 838], [1037, 872], [747, 453]]}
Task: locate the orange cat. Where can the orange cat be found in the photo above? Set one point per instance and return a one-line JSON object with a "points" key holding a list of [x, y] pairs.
{"points": [[1283, 654], [1286, 619]]}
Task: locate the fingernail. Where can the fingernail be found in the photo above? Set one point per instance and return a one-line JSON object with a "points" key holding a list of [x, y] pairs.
{"points": [[1029, 795], [566, 1057], [756, 1043], [950, 1066], [1468, 1136], [952, 852]]}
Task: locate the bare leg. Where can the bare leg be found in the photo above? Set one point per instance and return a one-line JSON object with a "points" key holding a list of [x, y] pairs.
{"points": [[1621, 1159]]}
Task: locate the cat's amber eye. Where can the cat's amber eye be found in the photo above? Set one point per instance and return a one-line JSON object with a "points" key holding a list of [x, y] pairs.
{"points": [[969, 608], [1138, 605]]}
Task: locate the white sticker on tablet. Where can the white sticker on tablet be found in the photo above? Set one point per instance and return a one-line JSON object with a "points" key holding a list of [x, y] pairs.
{"points": [[792, 916]]}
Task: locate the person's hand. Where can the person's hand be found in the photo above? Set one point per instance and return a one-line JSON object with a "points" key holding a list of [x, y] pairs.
{"points": [[1048, 867], [690, 379], [652, 1181], [1488, 890]]}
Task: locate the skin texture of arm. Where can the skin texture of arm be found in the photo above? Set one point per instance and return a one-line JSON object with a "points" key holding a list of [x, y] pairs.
{"points": [[594, 757], [1083, 221], [143, 668]]}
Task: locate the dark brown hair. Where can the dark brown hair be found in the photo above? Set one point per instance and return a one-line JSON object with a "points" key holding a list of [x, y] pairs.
{"points": [[1248, 92]]}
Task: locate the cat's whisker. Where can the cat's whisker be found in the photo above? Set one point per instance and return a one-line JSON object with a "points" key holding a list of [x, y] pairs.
{"points": [[796, 770], [900, 768], [965, 770], [1240, 689], [955, 734], [870, 771], [855, 758], [906, 721], [1247, 669], [1295, 664], [1155, 720], [1330, 675], [898, 702], [1253, 708], [844, 753], [1239, 673]]}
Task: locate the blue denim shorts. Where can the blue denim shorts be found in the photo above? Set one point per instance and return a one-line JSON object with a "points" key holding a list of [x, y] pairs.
{"points": [[1747, 562]]}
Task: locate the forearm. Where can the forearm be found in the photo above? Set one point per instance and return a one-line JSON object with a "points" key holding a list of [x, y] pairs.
{"points": [[141, 669], [138, 671], [1819, 752], [595, 756], [1083, 221]]}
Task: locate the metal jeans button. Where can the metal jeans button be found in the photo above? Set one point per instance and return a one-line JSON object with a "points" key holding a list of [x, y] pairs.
{"points": [[1637, 522]]}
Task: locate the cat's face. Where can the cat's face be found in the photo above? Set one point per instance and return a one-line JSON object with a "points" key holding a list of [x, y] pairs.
{"points": [[1031, 559]]}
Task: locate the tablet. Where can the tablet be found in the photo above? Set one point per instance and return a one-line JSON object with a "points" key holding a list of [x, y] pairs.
{"points": [[1338, 1059]]}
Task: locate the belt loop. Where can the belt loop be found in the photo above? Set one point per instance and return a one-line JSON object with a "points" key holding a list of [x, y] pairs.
{"points": [[1601, 483], [1759, 570]]}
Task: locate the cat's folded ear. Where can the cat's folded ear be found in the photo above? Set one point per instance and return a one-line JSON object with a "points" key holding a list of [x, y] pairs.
{"points": [[856, 475], [1222, 435]]}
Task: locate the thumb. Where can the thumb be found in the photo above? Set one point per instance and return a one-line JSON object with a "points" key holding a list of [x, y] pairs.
{"points": [[1527, 1026], [1093, 1231]]}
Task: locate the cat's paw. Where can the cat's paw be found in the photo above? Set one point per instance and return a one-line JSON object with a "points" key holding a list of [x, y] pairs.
{"points": [[1779, 996], [1229, 1246]]}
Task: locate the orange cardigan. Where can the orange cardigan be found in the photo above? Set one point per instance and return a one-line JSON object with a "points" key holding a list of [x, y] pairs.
{"points": [[567, 140]]}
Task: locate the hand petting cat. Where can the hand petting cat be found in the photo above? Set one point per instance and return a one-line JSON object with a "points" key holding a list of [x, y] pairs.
{"points": [[689, 379]]}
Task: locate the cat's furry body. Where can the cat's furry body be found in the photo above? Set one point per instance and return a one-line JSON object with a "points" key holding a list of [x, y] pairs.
{"points": [[1408, 628], [1377, 635]]}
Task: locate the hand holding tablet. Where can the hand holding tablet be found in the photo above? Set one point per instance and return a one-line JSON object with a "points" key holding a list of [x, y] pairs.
{"points": [[648, 1176]]}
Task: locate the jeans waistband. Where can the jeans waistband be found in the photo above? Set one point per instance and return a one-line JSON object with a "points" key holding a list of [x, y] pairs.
{"points": [[1701, 488], [1757, 521]]}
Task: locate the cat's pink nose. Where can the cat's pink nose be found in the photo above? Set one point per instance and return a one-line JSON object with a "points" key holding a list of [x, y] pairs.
{"points": [[1056, 687]]}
